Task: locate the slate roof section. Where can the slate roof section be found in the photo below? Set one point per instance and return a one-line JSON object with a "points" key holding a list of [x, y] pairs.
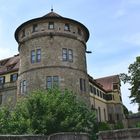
{"points": [[9, 65], [107, 82], [52, 14]]}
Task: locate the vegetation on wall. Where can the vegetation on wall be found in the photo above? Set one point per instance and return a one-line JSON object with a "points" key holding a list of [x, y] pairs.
{"points": [[46, 112]]}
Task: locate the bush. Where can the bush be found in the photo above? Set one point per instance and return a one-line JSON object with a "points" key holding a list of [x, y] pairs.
{"points": [[118, 125], [43, 112], [103, 126]]}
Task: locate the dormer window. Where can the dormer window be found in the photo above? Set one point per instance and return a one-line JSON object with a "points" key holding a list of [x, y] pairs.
{"points": [[51, 25], [115, 87], [13, 77], [35, 27], [67, 27]]}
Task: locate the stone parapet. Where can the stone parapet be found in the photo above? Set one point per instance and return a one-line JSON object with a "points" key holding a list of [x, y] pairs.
{"points": [[123, 134], [56, 136]]}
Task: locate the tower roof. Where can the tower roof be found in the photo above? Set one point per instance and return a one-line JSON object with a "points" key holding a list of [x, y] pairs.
{"points": [[50, 15]]}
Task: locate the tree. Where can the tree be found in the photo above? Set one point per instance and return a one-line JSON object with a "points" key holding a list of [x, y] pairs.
{"points": [[43, 112], [133, 78]]}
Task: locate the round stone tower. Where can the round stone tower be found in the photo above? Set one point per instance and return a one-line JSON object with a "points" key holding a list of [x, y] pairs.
{"points": [[52, 54]]}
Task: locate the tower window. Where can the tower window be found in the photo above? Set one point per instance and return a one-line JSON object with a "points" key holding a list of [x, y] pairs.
{"points": [[52, 82], [67, 54], [2, 80], [82, 84], [35, 27], [36, 55], [51, 25], [70, 55], [23, 87], [67, 27], [33, 56], [64, 54], [13, 77]]}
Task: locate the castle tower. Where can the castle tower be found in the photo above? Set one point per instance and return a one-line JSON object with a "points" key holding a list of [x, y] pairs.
{"points": [[52, 53]]}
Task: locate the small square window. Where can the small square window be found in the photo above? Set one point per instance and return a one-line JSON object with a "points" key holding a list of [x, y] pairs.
{"points": [[51, 25], [67, 27], [35, 27]]}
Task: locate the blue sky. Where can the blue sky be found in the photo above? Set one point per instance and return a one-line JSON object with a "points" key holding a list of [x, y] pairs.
{"points": [[114, 27]]}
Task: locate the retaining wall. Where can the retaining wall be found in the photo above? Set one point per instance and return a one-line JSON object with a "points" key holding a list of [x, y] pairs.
{"points": [[56, 136], [123, 134]]}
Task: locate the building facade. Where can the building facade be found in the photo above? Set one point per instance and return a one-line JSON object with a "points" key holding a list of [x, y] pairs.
{"points": [[52, 53]]}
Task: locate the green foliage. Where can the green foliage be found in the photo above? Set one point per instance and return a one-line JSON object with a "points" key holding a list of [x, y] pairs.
{"points": [[103, 126], [118, 125], [125, 110], [43, 112], [138, 125], [133, 78]]}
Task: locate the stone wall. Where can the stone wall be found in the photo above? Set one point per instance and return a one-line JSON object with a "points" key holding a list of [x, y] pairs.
{"points": [[124, 134], [56, 136], [133, 120]]}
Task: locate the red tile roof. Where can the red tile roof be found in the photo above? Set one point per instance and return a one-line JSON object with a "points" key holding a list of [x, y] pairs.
{"points": [[9, 64], [107, 82]]}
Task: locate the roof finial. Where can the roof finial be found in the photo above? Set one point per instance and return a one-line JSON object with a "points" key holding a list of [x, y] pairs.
{"points": [[52, 8]]}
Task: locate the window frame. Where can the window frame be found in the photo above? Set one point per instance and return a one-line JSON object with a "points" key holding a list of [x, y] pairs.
{"points": [[70, 55], [52, 82], [2, 80], [82, 85], [34, 28], [67, 27], [51, 25], [33, 56], [38, 55], [13, 77], [64, 54], [67, 54], [24, 86]]}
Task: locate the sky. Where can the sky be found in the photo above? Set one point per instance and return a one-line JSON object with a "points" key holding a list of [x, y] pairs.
{"points": [[114, 27]]}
